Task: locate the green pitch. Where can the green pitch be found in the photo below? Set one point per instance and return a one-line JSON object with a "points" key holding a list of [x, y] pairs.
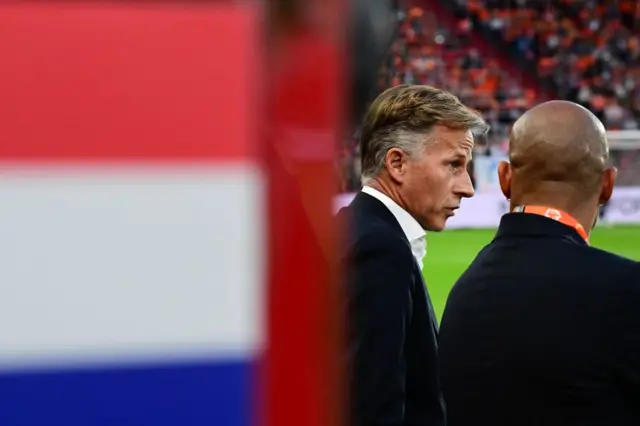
{"points": [[450, 252]]}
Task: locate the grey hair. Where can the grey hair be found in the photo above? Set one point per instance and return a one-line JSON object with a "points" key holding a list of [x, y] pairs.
{"points": [[404, 116], [412, 143]]}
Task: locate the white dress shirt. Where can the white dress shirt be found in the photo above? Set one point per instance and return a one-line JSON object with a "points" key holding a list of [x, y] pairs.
{"points": [[415, 234]]}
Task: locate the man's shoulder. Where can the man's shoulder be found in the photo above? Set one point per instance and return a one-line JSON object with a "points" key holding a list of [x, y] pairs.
{"points": [[600, 262], [563, 258], [377, 237], [619, 276], [365, 230], [624, 272], [376, 253]]}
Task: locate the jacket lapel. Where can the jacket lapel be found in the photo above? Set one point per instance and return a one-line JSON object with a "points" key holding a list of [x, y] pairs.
{"points": [[432, 313]]}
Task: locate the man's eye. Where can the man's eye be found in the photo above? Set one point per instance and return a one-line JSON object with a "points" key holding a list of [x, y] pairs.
{"points": [[456, 164]]}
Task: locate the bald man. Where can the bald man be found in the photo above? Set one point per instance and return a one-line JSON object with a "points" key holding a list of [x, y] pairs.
{"points": [[543, 329]]}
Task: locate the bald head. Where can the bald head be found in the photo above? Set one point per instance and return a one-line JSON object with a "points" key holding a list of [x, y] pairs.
{"points": [[559, 158], [559, 142]]}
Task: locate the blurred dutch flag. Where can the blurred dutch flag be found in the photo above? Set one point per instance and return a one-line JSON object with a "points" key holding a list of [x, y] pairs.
{"points": [[131, 237]]}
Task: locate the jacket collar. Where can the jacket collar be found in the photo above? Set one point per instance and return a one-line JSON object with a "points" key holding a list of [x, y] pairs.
{"points": [[366, 204], [531, 225], [411, 228]]}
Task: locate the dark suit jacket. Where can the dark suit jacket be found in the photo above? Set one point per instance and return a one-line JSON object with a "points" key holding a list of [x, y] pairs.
{"points": [[392, 329], [542, 330]]}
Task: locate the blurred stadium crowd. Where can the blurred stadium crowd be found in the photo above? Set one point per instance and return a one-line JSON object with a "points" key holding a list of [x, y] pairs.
{"points": [[503, 56]]}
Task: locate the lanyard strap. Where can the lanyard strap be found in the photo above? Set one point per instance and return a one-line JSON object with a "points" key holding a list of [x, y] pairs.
{"points": [[557, 215]]}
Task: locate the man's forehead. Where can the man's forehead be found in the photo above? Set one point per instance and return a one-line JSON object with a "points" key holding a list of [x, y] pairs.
{"points": [[458, 140], [461, 145], [467, 144]]}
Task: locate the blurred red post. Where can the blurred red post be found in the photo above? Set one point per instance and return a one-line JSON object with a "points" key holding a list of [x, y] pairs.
{"points": [[305, 109]]}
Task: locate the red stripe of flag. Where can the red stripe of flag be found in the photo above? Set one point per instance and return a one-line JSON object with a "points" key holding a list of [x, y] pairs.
{"points": [[113, 82]]}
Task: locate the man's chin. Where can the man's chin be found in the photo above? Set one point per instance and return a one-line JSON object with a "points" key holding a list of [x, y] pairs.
{"points": [[434, 223], [436, 227]]}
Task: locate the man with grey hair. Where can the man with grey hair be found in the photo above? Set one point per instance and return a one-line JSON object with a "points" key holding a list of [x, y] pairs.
{"points": [[416, 145]]}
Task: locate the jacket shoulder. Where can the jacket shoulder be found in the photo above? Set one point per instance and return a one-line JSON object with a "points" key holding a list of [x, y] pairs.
{"points": [[584, 261], [599, 259], [369, 232]]}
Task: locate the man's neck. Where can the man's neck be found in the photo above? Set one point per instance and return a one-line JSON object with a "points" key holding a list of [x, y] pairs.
{"points": [[583, 213], [388, 190]]}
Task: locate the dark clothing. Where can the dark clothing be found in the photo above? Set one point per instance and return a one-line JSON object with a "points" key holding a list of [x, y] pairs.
{"points": [[392, 331], [542, 329]]}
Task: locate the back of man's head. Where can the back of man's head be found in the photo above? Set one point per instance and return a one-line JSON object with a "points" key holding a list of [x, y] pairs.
{"points": [[559, 157]]}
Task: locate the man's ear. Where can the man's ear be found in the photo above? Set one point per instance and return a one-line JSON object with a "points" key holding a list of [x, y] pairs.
{"points": [[608, 182], [395, 163], [504, 177]]}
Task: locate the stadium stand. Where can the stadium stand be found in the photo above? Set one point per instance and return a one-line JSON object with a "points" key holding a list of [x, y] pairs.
{"points": [[586, 51], [428, 53], [583, 51]]}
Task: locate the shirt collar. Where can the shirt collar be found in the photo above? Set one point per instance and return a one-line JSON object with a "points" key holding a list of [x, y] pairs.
{"points": [[409, 225]]}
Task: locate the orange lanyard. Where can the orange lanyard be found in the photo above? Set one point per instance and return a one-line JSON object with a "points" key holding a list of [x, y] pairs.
{"points": [[555, 214]]}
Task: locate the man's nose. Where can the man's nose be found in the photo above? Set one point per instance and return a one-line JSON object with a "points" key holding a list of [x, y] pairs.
{"points": [[464, 187]]}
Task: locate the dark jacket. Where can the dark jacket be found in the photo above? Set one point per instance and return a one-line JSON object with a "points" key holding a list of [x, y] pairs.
{"points": [[542, 329], [392, 329]]}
